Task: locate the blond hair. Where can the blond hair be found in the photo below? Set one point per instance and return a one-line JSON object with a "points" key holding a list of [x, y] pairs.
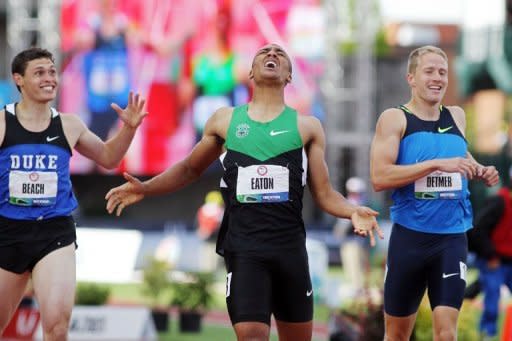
{"points": [[415, 55]]}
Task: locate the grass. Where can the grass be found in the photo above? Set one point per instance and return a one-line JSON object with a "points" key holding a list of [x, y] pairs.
{"points": [[209, 332], [132, 294]]}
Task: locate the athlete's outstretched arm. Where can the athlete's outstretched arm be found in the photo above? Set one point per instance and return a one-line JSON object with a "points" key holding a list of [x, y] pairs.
{"points": [[108, 154], [386, 174], [179, 175], [326, 197]]}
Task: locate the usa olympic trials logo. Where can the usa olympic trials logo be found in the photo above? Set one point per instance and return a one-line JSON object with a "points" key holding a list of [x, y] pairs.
{"points": [[242, 130]]}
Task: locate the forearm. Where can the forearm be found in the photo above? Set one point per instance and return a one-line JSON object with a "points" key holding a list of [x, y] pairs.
{"points": [[394, 176], [174, 178], [335, 204], [117, 146]]}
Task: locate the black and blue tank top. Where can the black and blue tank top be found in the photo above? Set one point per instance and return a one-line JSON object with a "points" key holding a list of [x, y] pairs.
{"points": [[35, 181], [438, 202]]}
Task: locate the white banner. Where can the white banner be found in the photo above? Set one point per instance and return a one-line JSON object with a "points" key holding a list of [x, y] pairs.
{"points": [[106, 323], [107, 255]]}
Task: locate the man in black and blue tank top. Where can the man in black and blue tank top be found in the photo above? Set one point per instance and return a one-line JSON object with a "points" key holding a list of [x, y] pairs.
{"points": [[37, 231], [419, 150], [269, 152]]}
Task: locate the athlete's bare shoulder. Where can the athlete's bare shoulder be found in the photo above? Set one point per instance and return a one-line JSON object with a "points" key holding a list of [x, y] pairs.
{"points": [[391, 121], [71, 121], [310, 127], [459, 116], [392, 114], [73, 127], [457, 112], [218, 123]]}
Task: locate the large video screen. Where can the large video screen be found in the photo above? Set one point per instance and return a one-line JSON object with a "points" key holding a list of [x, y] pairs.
{"points": [[187, 58]]}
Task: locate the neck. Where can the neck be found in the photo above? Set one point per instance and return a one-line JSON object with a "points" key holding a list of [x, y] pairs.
{"points": [[273, 95], [423, 108], [32, 110], [266, 105]]}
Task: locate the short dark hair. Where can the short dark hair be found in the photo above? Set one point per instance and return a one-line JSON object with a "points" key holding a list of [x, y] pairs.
{"points": [[21, 60]]}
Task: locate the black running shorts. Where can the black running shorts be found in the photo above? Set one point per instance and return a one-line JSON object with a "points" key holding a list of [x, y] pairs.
{"points": [[418, 261], [23, 243], [263, 283]]}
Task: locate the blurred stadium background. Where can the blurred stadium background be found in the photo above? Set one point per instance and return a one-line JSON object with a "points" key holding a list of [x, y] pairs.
{"points": [[189, 57]]}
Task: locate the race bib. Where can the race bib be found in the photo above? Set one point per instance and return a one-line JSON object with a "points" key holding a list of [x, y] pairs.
{"points": [[439, 185], [262, 184], [32, 188]]}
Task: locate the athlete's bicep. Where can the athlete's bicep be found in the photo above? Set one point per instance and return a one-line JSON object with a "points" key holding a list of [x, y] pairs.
{"points": [[210, 146], [385, 144], [318, 174], [90, 145]]}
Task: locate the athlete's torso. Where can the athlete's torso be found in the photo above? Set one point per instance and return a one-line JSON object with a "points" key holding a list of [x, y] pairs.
{"points": [[439, 202], [265, 173], [35, 181]]}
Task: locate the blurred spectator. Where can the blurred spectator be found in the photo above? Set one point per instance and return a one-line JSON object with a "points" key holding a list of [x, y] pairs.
{"points": [[106, 67], [491, 240], [214, 71], [163, 70], [354, 251], [484, 69], [209, 216]]}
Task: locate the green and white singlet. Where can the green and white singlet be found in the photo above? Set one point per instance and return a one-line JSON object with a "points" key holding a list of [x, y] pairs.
{"points": [[265, 167]]}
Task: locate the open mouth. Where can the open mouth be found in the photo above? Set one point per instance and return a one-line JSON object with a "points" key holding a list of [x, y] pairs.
{"points": [[271, 64]]}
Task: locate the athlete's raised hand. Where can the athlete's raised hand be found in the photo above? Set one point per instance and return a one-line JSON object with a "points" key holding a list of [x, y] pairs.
{"points": [[134, 112], [365, 223], [128, 193]]}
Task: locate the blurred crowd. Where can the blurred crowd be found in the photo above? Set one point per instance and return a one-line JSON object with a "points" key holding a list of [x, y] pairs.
{"points": [[188, 57]]}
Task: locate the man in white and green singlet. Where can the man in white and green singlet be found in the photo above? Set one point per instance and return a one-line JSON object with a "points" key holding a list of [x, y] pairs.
{"points": [[269, 152]]}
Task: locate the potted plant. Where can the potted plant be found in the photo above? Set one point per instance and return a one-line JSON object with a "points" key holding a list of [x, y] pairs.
{"points": [[192, 296], [155, 283], [91, 294]]}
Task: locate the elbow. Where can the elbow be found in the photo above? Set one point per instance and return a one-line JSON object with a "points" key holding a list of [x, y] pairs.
{"points": [[109, 164], [378, 187], [378, 183]]}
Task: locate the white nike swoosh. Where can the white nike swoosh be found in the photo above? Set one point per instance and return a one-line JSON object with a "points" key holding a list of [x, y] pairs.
{"points": [[450, 275], [278, 132], [309, 293], [50, 139]]}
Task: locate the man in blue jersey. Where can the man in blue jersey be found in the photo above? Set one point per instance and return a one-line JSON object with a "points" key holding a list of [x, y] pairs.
{"points": [[37, 231], [268, 153], [419, 150]]}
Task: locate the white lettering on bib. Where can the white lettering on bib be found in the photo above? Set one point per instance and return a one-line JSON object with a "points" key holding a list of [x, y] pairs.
{"points": [[32, 188], [439, 185], [262, 184]]}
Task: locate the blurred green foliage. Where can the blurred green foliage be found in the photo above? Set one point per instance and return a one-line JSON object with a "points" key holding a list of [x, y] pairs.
{"points": [[467, 327], [91, 294]]}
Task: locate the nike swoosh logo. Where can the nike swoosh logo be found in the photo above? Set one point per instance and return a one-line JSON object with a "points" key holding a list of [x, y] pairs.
{"points": [[278, 132], [50, 139], [450, 275], [309, 292], [444, 130]]}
